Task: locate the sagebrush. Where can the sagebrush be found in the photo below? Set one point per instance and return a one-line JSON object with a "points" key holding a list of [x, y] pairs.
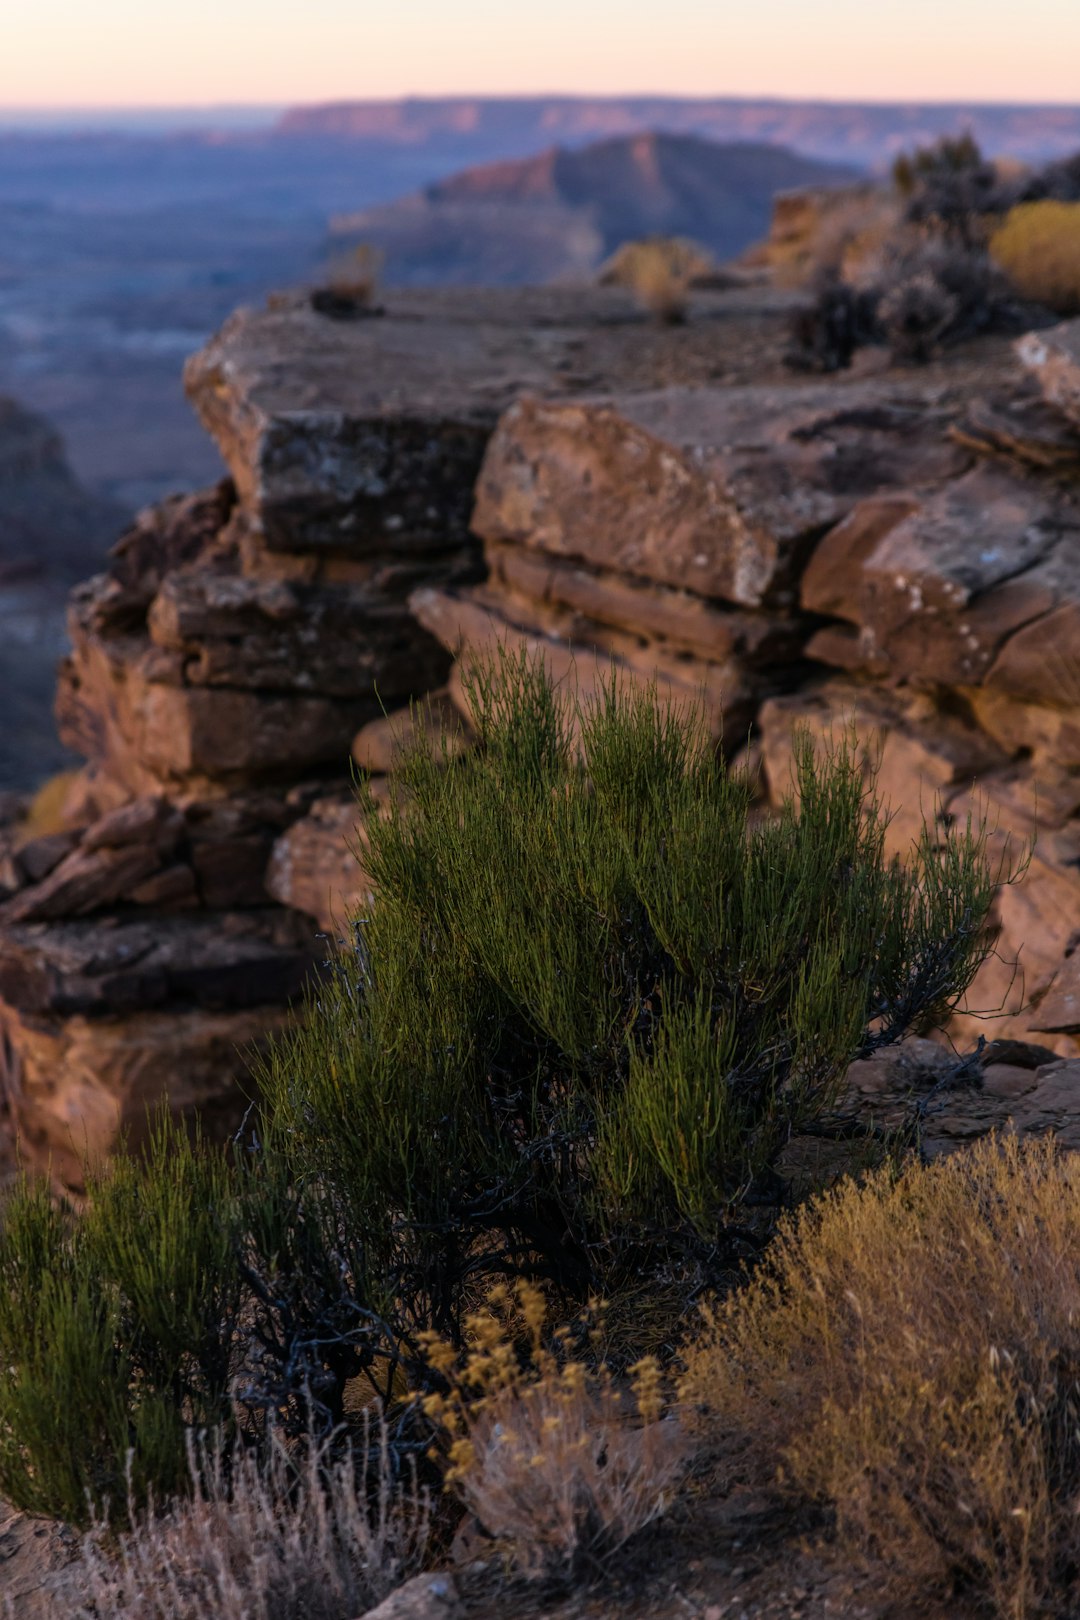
{"points": [[910, 1355], [285, 1536], [932, 277]]}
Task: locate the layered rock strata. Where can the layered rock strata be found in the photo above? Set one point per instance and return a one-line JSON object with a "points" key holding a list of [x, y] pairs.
{"points": [[220, 669], [538, 470], [814, 556]]}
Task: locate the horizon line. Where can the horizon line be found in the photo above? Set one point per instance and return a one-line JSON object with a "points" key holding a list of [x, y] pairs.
{"points": [[70, 108]]}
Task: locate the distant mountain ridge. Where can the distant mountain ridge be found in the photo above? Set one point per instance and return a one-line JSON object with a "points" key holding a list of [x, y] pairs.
{"points": [[559, 213], [866, 134]]}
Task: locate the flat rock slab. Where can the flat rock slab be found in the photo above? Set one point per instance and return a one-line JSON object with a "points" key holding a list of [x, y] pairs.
{"points": [[1025, 430], [352, 435], [1018, 1087], [1053, 359], [123, 701], [714, 491], [105, 968], [677, 620], [32, 1552]]}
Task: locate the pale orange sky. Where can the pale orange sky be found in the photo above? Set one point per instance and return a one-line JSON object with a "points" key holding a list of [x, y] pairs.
{"points": [[93, 53]]}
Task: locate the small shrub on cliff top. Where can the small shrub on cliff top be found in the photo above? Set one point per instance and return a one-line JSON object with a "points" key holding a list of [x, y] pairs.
{"points": [[659, 271], [951, 190], [197, 1293], [1038, 247], [930, 279], [910, 1353], [593, 998]]}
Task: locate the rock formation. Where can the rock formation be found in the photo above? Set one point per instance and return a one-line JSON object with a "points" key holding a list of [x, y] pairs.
{"points": [[556, 215], [740, 543], [543, 470]]}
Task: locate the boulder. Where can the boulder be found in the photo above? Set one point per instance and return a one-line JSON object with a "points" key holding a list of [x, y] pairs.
{"points": [[1048, 734], [1053, 359], [434, 721], [433, 1596], [87, 881], [78, 1084], [937, 586], [125, 705], [926, 766], [177, 533], [1058, 1012], [475, 626], [315, 867], [719, 492], [936, 768]]}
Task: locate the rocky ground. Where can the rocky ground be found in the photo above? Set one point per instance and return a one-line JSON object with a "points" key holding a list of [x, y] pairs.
{"points": [[727, 1551]]}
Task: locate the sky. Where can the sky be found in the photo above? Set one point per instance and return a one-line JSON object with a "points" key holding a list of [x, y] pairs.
{"points": [[123, 53]]}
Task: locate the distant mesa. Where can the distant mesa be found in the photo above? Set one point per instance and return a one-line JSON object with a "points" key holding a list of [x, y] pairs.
{"points": [[560, 214], [868, 134]]}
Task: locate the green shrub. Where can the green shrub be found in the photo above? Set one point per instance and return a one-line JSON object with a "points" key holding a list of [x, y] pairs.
{"points": [[590, 1003], [116, 1329], [593, 998]]}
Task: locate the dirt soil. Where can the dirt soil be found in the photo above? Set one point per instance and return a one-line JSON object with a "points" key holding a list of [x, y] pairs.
{"points": [[727, 1551]]}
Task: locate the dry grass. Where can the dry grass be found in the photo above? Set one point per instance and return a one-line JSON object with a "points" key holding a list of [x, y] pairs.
{"points": [[46, 812], [910, 1354], [352, 283], [660, 272], [283, 1541], [1038, 247], [844, 233], [557, 1462]]}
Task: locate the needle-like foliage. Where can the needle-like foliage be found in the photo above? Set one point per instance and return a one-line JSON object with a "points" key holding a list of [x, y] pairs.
{"points": [[594, 998]]}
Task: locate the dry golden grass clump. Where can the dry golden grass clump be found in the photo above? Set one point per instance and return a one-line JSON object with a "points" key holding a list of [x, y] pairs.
{"points": [[844, 232], [352, 283], [292, 1538], [558, 1462], [1038, 247], [910, 1354], [660, 271]]}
